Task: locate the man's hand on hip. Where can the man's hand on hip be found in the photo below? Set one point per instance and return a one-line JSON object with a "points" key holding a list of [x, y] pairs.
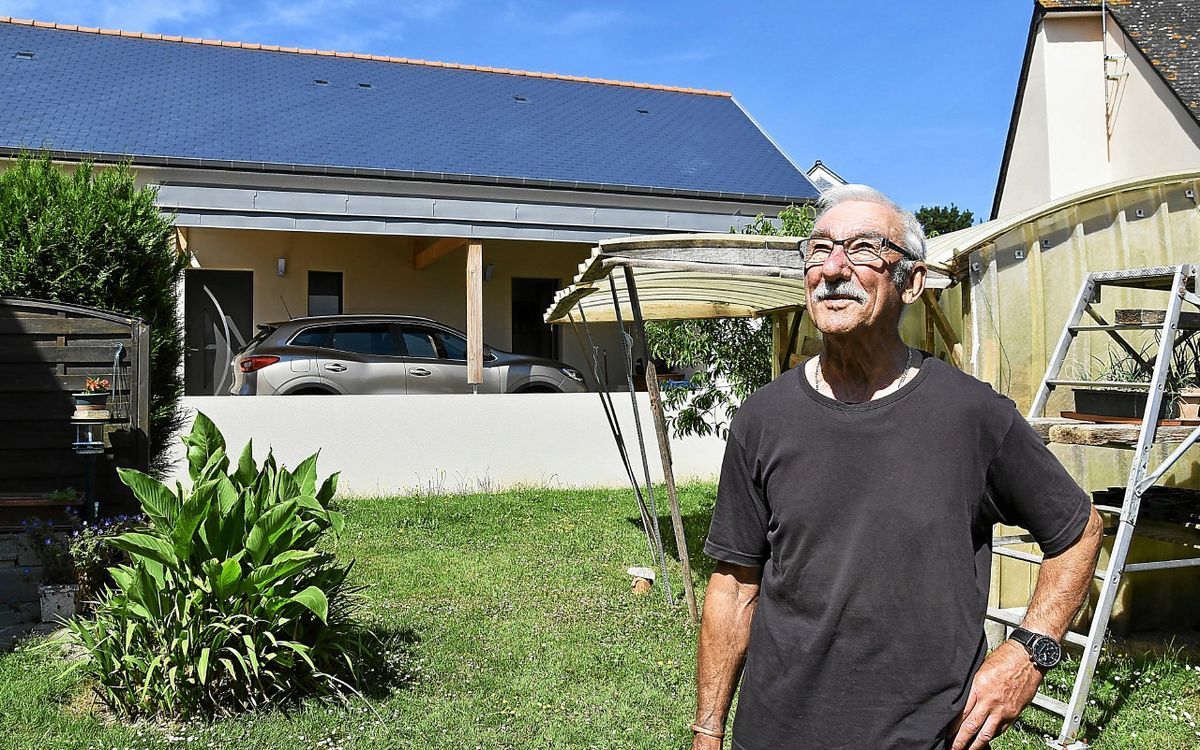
{"points": [[1003, 686]]}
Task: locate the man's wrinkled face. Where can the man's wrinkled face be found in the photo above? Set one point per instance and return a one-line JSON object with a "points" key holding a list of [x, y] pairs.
{"points": [[844, 298]]}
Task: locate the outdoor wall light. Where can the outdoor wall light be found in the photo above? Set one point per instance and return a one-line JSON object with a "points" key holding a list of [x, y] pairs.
{"points": [[281, 266], [487, 272]]}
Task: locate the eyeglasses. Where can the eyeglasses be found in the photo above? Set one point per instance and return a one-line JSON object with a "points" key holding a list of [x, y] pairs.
{"points": [[859, 250]]}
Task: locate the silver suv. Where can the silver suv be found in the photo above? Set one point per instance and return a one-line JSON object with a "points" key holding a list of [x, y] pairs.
{"points": [[372, 354]]}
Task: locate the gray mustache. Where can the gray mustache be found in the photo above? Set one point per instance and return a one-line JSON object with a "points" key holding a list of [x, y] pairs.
{"points": [[839, 288]]}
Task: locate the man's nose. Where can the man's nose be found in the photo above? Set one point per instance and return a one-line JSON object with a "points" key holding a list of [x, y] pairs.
{"points": [[837, 265]]}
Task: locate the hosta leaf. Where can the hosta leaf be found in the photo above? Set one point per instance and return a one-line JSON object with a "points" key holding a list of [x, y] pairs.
{"points": [[190, 515], [283, 565], [140, 545], [328, 488], [314, 600], [157, 500], [246, 468], [202, 442], [305, 475]]}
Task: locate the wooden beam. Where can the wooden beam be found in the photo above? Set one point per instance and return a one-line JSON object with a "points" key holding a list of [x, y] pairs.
{"points": [[475, 313], [181, 240], [953, 347], [427, 255]]}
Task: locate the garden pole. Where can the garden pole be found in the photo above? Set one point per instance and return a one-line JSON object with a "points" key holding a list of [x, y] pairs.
{"points": [[664, 446], [627, 353]]}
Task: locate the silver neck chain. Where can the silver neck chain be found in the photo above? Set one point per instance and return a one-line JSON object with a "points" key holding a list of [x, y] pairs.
{"points": [[899, 382]]}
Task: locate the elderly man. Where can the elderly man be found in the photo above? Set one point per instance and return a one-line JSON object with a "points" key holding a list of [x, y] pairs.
{"points": [[853, 526]]}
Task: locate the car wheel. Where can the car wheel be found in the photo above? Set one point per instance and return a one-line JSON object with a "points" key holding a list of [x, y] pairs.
{"points": [[310, 392]]}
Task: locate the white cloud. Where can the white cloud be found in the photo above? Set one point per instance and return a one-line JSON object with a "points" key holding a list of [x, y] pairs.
{"points": [[584, 21]]}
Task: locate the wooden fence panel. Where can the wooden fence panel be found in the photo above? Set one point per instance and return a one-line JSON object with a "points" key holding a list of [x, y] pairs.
{"points": [[47, 350]]}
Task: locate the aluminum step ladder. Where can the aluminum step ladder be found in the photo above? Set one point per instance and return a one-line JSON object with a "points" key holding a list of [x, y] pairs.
{"points": [[1179, 282]]}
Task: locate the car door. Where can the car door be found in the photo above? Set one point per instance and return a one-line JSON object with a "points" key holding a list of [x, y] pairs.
{"points": [[363, 358], [453, 349]]}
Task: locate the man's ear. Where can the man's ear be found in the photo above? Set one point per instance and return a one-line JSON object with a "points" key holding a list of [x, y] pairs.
{"points": [[916, 284]]}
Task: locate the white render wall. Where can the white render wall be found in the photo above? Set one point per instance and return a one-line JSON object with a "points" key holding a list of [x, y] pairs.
{"points": [[400, 444]]}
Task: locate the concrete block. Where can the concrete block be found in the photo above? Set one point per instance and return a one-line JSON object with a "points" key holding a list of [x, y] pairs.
{"points": [[9, 543]]}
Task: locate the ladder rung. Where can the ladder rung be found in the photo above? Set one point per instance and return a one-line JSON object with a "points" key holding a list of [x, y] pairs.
{"points": [[1004, 541], [1187, 562], [1030, 557], [1131, 327], [1100, 384], [1012, 617], [1136, 277], [1053, 705]]}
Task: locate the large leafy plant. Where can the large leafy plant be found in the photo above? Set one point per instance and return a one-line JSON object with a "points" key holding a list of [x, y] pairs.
{"points": [[230, 600]]}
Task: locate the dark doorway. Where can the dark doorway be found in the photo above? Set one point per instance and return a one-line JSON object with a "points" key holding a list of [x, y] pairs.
{"points": [[530, 335], [218, 315]]}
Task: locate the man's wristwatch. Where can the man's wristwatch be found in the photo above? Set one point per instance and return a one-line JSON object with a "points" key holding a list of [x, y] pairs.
{"points": [[1043, 650]]}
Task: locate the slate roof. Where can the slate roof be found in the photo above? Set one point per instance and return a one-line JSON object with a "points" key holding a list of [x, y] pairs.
{"points": [[192, 102], [1167, 32]]}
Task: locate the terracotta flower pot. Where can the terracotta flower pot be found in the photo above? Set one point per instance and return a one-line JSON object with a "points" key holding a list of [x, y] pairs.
{"points": [[1189, 403]]}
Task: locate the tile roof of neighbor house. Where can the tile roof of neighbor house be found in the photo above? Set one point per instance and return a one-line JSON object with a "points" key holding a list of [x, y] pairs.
{"points": [[172, 100], [1167, 32]]}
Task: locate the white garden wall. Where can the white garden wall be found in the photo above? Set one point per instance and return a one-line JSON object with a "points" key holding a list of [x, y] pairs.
{"points": [[398, 444]]}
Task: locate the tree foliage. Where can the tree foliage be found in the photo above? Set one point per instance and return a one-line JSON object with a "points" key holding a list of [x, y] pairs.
{"points": [[92, 237], [944, 219], [731, 357]]}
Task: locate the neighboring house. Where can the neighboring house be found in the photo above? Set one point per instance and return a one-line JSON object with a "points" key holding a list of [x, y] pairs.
{"points": [[306, 181], [1109, 91], [822, 177]]}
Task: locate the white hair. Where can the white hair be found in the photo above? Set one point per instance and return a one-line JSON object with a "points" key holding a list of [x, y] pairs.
{"points": [[913, 241]]}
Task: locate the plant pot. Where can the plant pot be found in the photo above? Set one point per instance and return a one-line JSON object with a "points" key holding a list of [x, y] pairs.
{"points": [[92, 399], [59, 601], [1110, 403], [1189, 403]]}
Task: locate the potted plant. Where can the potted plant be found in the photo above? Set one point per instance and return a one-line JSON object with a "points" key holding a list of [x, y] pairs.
{"points": [[1117, 402], [1185, 380], [94, 396], [93, 556], [58, 592]]}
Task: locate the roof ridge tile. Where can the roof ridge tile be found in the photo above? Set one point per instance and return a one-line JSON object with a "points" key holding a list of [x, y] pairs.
{"points": [[359, 56]]}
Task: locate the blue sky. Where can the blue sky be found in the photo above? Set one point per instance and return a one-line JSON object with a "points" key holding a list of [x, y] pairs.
{"points": [[912, 97]]}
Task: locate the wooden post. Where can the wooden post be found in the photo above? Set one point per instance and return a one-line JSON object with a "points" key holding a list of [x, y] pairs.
{"points": [[664, 447], [930, 343], [953, 348], [475, 313]]}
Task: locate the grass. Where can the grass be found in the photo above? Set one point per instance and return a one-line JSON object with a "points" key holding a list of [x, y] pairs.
{"points": [[512, 626]]}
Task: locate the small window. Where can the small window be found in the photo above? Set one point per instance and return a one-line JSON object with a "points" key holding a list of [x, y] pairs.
{"points": [[365, 338], [452, 346], [419, 342], [311, 336], [324, 292]]}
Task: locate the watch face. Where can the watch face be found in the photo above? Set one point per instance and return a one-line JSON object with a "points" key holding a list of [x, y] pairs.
{"points": [[1046, 652]]}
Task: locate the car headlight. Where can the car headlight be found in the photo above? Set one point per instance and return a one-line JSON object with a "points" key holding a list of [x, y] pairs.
{"points": [[572, 373]]}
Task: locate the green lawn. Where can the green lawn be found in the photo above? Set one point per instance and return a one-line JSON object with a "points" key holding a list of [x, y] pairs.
{"points": [[512, 626]]}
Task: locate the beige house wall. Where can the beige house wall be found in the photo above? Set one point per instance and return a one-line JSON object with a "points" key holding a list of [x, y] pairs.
{"points": [[1060, 145], [379, 277]]}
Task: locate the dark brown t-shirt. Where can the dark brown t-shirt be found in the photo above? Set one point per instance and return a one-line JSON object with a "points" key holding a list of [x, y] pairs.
{"points": [[872, 523]]}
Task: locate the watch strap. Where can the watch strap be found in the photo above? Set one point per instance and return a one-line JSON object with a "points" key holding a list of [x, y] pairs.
{"points": [[1024, 637]]}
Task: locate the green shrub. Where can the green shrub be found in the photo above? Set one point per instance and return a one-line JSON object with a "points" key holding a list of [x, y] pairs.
{"points": [[229, 603], [92, 237]]}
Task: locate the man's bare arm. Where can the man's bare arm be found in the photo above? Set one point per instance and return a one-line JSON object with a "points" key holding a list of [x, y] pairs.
{"points": [[1008, 679], [729, 605]]}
